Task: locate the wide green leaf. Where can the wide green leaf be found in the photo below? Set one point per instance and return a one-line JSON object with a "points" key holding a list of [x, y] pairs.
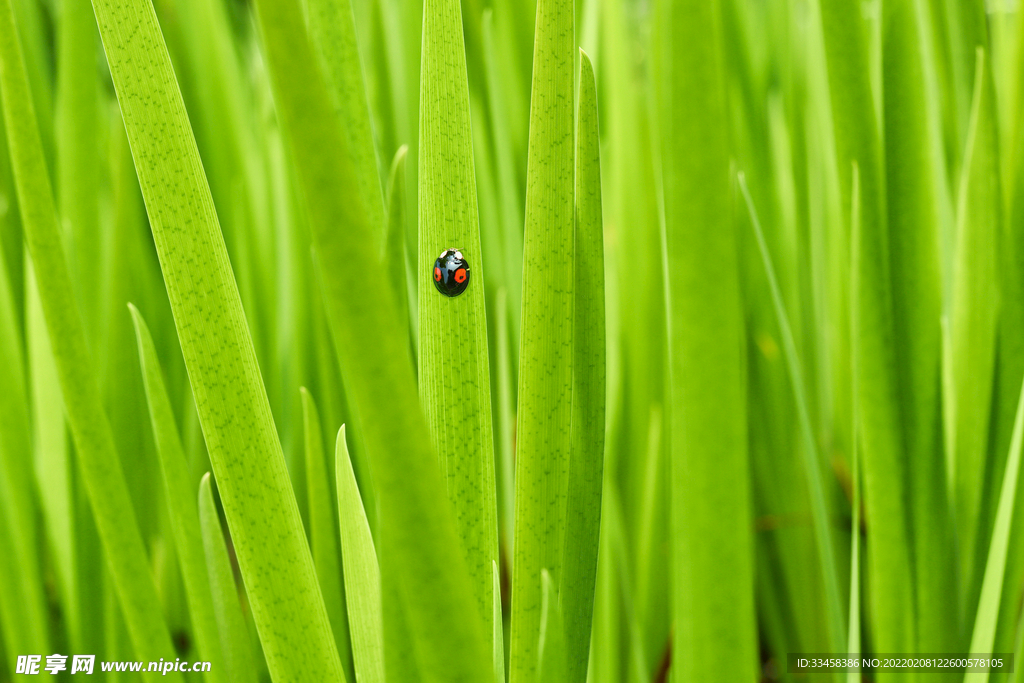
{"points": [[454, 376], [586, 460], [543, 438], [713, 583]]}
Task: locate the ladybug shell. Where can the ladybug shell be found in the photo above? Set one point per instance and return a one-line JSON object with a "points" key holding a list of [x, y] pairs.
{"points": [[451, 273]]}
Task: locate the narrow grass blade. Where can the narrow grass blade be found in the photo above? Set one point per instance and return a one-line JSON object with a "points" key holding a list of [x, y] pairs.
{"points": [[498, 636], [101, 469], [712, 584], [551, 664], [543, 438], [229, 393], [323, 530], [234, 637], [853, 633], [422, 564], [454, 376], [812, 459], [586, 462], [975, 319], [857, 138], [362, 574], [913, 201], [984, 634], [178, 491]]}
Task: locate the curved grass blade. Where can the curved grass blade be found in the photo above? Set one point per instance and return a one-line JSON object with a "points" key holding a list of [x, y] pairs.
{"points": [[178, 491], [987, 618], [454, 376], [586, 461], [234, 637], [551, 664], [714, 627], [100, 466], [218, 350], [323, 531], [362, 574], [812, 459], [543, 439], [423, 571]]}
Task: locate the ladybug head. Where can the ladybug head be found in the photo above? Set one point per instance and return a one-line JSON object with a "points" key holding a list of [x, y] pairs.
{"points": [[451, 273]]}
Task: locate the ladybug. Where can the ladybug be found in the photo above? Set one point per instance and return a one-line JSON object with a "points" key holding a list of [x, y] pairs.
{"points": [[451, 273]]}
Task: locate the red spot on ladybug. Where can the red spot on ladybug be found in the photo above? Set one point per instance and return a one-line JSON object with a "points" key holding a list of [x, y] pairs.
{"points": [[437, 274], [460, 275]]}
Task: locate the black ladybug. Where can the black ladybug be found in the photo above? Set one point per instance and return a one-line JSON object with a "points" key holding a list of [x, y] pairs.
{"points": [[451, 273]]}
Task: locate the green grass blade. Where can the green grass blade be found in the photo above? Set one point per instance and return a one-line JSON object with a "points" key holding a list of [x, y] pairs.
{"points": [[913, 200], [22, 599], [362, 574], [422, 565], [984, 634], [857, 140], [497, 632], [506, 425], [332, 28], [78, 161], [551, 663], [101, 469], [454, 376], [180, 501], [396, 256], [853, 632], [712, 585], [586, 463], [812, 459], [229, 393], [975, 313], [234, 637], [543, 439], [323, 530]]}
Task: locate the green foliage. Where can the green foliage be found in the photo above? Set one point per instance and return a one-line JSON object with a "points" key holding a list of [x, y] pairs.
{"points": [[660, 437], [713, 585]]}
